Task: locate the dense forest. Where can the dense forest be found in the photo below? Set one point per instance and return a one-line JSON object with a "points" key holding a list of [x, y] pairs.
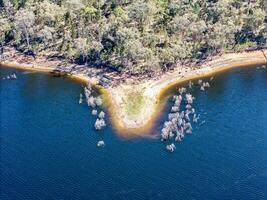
{"points": [[136, 36]]}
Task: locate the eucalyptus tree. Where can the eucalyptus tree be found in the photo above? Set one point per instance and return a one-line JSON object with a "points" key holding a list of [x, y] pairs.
{"points": [[82, 47], [5, 28], [138, 13], [24, 20], [134, 36]]}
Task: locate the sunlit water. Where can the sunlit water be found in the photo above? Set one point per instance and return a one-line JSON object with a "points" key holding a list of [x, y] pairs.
{"points": [[48, 145]]}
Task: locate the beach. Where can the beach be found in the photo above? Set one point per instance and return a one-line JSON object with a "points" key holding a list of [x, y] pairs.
{"points": [[134, 106]]}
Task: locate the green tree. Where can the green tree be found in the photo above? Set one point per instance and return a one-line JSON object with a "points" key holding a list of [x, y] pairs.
{"points": [[24, 20]]}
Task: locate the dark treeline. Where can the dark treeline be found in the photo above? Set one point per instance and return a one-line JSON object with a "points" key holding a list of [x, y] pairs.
{"points": [[136, 36]]}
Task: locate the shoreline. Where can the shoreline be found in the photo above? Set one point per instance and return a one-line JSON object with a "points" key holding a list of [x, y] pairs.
{"points": [[156, 90], [152, 91]]}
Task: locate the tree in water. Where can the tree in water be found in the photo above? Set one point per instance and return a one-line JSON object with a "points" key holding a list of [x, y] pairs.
{"points": [[101, 115]]}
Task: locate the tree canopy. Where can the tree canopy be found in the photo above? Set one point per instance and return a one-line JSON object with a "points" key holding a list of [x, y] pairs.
{"points": [[136, 36]]}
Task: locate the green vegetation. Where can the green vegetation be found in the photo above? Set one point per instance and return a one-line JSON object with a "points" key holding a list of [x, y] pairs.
{"points": [[135, 101], [137, 36]]}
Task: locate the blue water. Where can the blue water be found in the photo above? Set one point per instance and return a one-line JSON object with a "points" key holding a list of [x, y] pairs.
{"points": [[48, 145]]}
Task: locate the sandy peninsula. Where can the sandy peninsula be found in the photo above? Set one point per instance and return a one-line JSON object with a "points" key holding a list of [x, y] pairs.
{"points": [[135, 105]]}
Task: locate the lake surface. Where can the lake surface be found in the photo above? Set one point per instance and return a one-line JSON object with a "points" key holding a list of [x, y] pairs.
{"points": [[48, 145]]}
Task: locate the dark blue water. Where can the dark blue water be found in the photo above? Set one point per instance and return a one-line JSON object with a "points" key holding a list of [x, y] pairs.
{"points": [[48, 145]]}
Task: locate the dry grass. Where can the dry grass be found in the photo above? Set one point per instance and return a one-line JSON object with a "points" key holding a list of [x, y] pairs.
{"points": [[134, 102]]}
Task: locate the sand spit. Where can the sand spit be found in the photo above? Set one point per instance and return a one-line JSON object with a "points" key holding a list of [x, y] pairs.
{"points": [[133, 106]]}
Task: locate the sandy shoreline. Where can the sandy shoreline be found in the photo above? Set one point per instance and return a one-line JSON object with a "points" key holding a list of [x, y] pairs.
{"points": [[154, 90], [120, 98]]}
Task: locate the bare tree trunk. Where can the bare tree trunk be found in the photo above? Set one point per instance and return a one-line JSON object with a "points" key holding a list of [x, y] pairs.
{"points": [[2, 51], [248, 7], [27, 37]]}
